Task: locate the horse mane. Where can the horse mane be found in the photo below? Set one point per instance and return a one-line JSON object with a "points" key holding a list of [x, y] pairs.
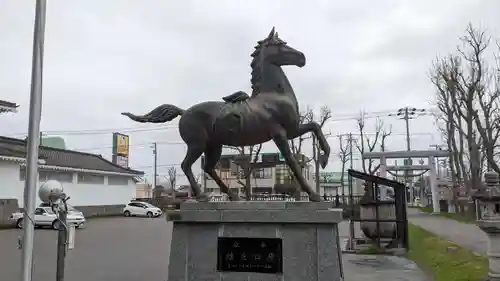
{"points": [[256, 68], [256, 64]]}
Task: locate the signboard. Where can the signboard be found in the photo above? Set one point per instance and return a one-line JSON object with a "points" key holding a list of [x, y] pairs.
{"points": [[120, 160], [243, 254], [120, 149], [120, 144]]}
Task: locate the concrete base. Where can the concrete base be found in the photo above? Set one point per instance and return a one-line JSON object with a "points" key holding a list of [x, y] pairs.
{"points": [[309, 233]]}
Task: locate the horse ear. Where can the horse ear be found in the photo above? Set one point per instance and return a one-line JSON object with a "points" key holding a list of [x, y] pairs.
{"points": [[271, 34], [276, 35]]}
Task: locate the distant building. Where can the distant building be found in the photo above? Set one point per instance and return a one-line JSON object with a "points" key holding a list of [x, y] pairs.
{"points": [[143, 190], [270, 174], [88, 179], [331, 184], [55, 142]]}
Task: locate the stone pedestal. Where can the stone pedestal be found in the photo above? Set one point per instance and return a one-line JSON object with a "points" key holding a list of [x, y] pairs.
{"points": [[492, 230], [489, 222], [307, 233]]}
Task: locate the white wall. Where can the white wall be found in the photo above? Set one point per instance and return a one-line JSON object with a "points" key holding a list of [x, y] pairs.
{"points": [[81, 194]]}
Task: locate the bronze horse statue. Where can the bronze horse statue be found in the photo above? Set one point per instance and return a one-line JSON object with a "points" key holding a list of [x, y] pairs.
{"points": [[271, 113]]}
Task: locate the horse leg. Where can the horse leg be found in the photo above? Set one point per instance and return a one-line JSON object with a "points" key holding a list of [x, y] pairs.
{"points": [[212, 156], [193, 153], [281, 142], [313, 127]]}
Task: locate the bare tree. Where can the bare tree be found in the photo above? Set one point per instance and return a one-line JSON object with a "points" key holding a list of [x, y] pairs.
{"points": [[324, 115], [366, 143], [449, 120], [344, 154], [468, 100], [172, 178], [246, 161]]}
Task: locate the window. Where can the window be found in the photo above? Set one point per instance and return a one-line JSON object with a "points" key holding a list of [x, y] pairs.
{"points": [[22, 174], [235, 169], [263, 173], [258, 173], [282, 174], [138, 205], [59, 176], [117, 180], [44, 176], [90, 179], [268, 173]]}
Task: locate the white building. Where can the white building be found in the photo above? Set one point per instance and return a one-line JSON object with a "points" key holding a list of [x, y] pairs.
{"points": [[88, 179]]}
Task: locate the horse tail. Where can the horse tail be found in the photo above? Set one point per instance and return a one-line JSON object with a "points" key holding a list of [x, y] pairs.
{"points": [[161, 114]]}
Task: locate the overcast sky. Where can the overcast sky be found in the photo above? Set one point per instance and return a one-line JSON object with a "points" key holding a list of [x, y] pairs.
{"points": [[103, 57]]}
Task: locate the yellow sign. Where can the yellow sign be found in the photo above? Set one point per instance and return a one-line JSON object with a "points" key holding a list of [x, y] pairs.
{"points": [[121, 144]]}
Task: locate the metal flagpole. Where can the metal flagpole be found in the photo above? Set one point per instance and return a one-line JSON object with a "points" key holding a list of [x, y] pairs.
{"points": [[31, 182]]}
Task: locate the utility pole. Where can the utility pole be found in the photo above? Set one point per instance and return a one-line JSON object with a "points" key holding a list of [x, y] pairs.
{"points": [[316, 164], [407, 113], [350, 187], [351, 198], [155, 165], [35, 115], [62, 239], [350, 151]]}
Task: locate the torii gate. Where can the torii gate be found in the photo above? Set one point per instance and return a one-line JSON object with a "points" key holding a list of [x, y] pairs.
{"points": [[429, 154]]}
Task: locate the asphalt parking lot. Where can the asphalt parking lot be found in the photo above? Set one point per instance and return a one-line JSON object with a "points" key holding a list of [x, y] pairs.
{"points": [[107, 249], [132, 249]]}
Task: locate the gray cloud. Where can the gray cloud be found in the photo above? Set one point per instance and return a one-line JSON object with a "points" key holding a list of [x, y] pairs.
{"points": [[104, 57]]}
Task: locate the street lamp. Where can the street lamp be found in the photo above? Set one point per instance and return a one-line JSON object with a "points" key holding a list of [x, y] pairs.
{"points": [[52, 192]]}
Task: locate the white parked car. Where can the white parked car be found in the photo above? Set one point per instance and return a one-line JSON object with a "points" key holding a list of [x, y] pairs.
{"points": [[141, 209], [71, 209], [45, 216]]}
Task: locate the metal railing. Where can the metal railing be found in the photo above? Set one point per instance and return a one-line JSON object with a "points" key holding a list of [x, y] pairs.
{"points": [[338, 200]]}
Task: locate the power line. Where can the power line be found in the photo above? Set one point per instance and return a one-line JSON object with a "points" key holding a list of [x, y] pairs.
{"points": [[338, 118], [100, 131], [147, 144], [158, 166], [140, 145]]}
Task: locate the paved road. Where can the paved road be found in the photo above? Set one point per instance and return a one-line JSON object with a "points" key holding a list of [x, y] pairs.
{"points": [[377, 268], [131, 249], [117, 249], [465, 234]]}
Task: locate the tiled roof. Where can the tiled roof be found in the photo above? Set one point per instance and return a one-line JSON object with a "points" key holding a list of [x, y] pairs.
{"points": [[63, 157]]}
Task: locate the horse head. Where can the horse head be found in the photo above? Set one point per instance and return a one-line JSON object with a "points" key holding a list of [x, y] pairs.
{"points": [[272, 53], [276, 51]]}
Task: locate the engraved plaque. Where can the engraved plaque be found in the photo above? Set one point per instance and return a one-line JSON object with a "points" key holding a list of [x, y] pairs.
{"points": [[243, 254]]}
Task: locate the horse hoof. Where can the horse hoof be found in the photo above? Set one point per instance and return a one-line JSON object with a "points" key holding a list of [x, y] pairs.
{"points": [[323, 160], [315, 198], [234, 197], [202, 198]]}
